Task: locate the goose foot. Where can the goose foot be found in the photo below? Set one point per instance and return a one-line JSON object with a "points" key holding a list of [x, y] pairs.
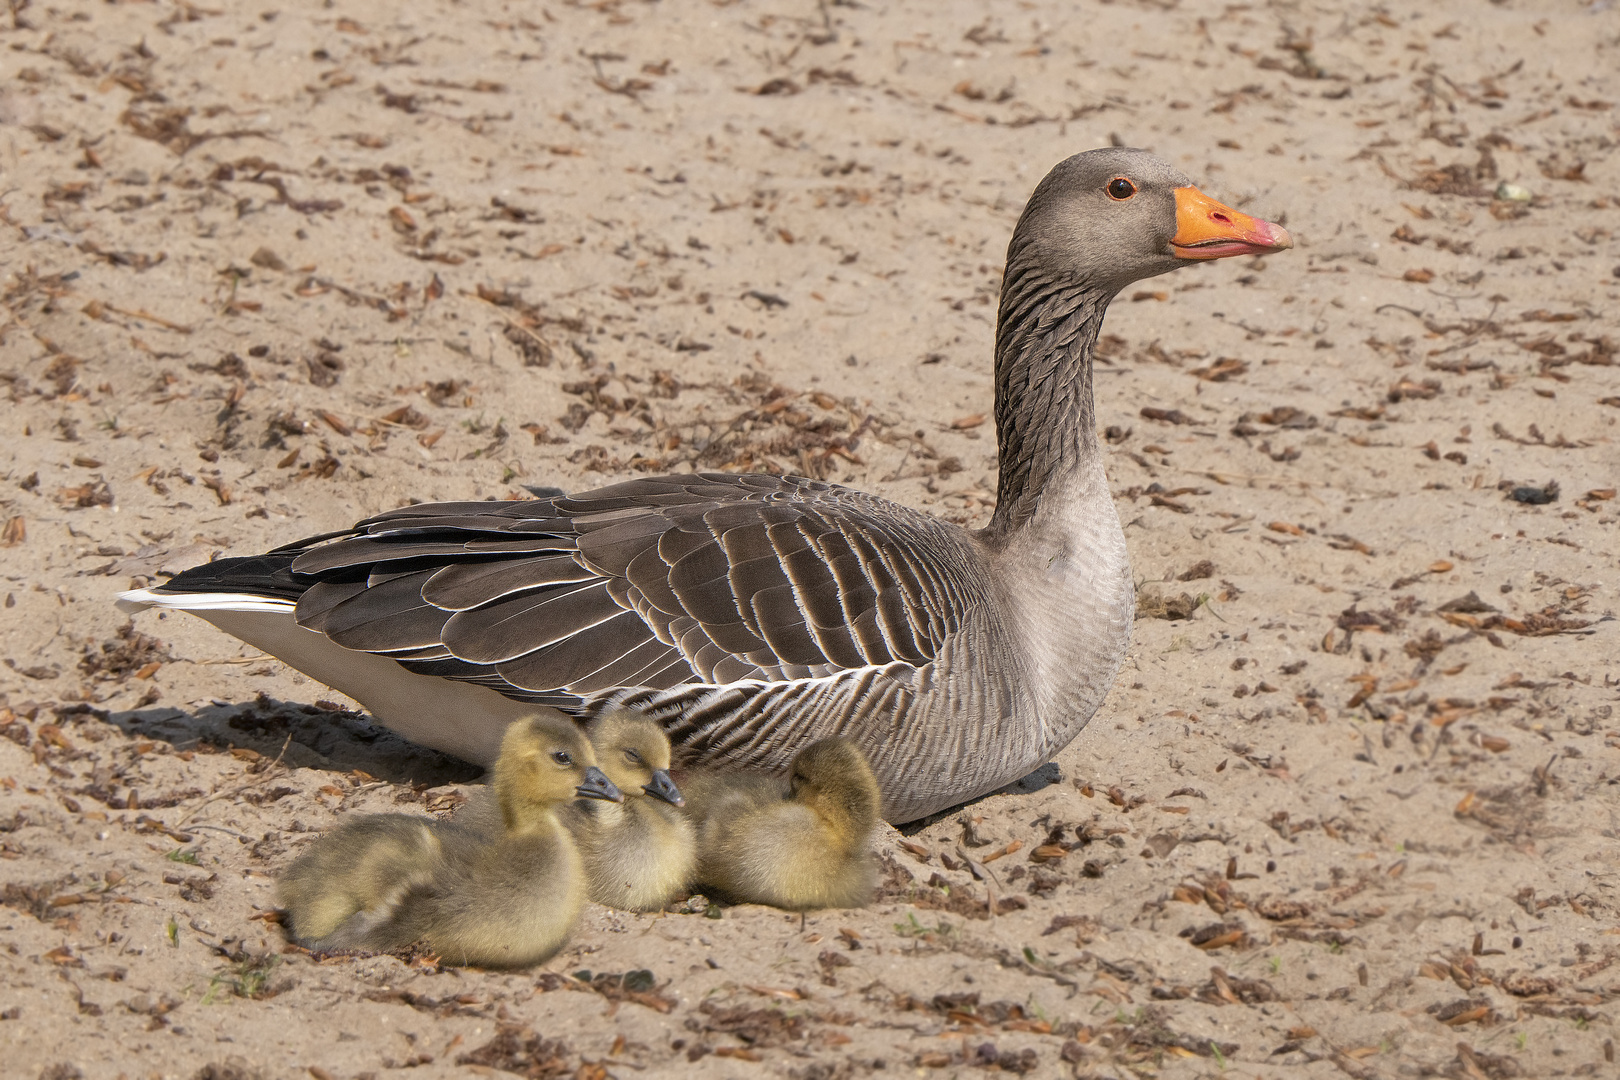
{"points": [[1043, 777]]}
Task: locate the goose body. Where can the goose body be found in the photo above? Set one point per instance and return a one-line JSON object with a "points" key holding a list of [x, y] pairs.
{"points": [[797, 842], [507, 899], [751, 615]]}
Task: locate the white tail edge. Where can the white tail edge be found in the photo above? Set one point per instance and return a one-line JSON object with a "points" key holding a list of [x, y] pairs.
{"points": [[141, 599]]}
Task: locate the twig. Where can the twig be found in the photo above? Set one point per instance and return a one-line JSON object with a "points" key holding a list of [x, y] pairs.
{"points": [[223, 829], [982, 873], [147, 316], [1009, 960], [238, 788]]}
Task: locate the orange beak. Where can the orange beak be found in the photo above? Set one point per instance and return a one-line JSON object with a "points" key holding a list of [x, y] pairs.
{"points": [[1206, 229]]}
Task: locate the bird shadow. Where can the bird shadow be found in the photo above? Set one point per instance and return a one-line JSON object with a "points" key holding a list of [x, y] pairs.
{"points": [[303, 736], [1043, 777]]}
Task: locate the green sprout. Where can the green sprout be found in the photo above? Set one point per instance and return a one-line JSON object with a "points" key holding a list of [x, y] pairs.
{"points": [[247, 978]]}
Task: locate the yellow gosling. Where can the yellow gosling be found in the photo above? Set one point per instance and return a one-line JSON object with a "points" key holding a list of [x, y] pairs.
{"points": [[639, 854], [350, 881], [797, 845], [507, 900]]}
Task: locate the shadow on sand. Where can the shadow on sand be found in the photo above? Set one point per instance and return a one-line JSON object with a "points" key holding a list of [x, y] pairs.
{"points": [[1045, 776], [343, 740], [304, 736]]}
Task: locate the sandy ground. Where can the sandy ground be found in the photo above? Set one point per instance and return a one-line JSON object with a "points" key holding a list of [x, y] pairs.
{"points": [[1351, 808]]}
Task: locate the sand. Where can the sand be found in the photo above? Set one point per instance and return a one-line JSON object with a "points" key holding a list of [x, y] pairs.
{"points": [[1351, 807]]}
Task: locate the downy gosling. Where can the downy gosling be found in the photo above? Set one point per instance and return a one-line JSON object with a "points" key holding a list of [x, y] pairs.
{"points": [[503, 900], [798, 844], [639, 854]]}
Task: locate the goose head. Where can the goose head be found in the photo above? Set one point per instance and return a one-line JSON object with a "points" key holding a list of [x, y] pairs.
{"points": [[634, 753], [1108, 217], [545, 762], [832, 777]]}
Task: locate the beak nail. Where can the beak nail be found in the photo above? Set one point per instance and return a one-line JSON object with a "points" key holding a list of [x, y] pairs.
{"points": [[598, 786], [662, 787]]}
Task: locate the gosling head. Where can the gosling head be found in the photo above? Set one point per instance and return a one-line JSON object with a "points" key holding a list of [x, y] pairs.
{"points": [[546, 761], [832, 776], [634, 753]]}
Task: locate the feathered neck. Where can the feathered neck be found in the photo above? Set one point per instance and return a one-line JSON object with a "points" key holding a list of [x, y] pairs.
{"points": [[1046, 333]]}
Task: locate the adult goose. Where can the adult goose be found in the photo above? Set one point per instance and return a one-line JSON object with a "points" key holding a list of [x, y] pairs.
{"points": [[751, 615]]}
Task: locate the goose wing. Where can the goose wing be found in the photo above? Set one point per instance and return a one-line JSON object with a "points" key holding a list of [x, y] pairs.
{"points": [[687, 581]]}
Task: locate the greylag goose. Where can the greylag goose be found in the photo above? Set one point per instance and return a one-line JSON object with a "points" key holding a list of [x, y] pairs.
{"points": [[800, 844], [508, 900], [752, 615]]}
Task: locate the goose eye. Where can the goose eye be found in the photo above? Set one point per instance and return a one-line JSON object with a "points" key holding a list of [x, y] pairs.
{"points": [[562, 757], [1120, 188], [632, 757]]}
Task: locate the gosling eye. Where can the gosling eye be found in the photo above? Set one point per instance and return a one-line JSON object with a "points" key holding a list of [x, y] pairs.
{"points": [[1120, 189], [562, 757], [632, 757]]}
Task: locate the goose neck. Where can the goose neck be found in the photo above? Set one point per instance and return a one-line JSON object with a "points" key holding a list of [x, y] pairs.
{"points": [[1046, 335]]}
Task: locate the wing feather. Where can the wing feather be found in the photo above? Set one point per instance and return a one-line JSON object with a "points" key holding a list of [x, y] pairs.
{"points": [[367, 550], [461, 586], [781, 623], [732, 669], [701, 581], [386, 618], [574, 658], [649, 573], [320, 598], [870, 635], [818, 596], [445, 511], [507, 628], [612, 549], [676, 672], [626, 670], [679, 542], [733, 637]]}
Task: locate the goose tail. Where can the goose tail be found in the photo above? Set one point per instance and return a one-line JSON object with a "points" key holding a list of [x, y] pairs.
{"points": [[256, 583], [146, 599]]}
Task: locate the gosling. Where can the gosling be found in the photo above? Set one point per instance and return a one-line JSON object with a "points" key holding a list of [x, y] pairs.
{"points": [[508, 900], [351, 881], [639, 854], [798, 846]]}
